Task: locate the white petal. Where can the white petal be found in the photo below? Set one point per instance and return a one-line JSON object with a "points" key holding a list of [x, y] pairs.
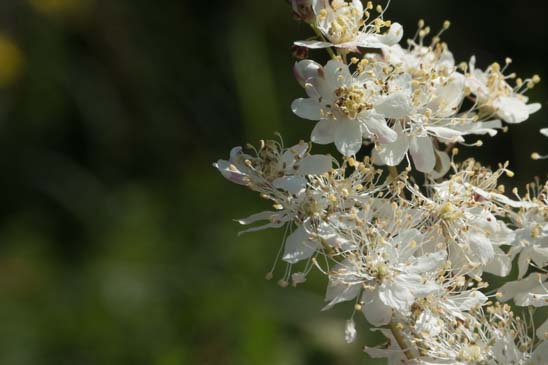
{"points": [[291, 155], [538, 297], [375, 124], [299, 247], [393, 36], [446, 134], [542, 331], [429, 324], [407, 243], [540, 354], [544, 131], [315, 165], [524, 261], [257, 217], [375, 311], [481, 247], [324, 132], [533, 108], [307, 109], [348, 137], [393, 354], [318, 5], [395, 106], [277, 224], [230, 173], [513, 288], [306, 69], [466, 301], [392, 154], [313, 44], [443, 165], [540, 255], [447, 60], [500, 265], [422, 151], [338, 292], [397, 294], [336, 73], [505, 200], [511, 109], [449, 96], [357, 4], [428, 263], [291, 184], [480, 128]]}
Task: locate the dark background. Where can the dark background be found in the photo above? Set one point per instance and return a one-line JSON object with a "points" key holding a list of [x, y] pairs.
{"points": [[117, 244]]}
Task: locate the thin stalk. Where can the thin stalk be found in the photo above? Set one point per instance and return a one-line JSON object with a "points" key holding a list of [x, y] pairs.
{"points": [[396, 331], [320, 35], [393, 170]]}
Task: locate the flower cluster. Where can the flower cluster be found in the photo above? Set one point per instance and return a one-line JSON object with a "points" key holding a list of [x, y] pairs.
{"points": [[407, 101], [410, 257]]}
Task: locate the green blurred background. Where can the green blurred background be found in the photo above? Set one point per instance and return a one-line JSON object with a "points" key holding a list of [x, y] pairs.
{"points": [[117, 244]]}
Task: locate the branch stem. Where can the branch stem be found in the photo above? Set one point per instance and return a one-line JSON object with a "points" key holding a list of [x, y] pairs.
{"points": [[320, 35], [396, 331], [393, 170]]}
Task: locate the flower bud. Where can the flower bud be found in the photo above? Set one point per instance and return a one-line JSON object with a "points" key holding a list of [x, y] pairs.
{"points": [[299, 52], [305, 70], [303, 10]]}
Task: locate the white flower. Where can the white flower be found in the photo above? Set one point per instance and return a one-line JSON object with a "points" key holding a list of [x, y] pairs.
{"points": [[491, 335], [299, 246], [476, 233], [531, 291], [344, 25], [427, 119], [493, 91], [393, 353], [275, 166], [235, 169], [275, 220], [345, 285], [531, 237], [410, 253], [344, 108], [401, 278], [429, 324]]}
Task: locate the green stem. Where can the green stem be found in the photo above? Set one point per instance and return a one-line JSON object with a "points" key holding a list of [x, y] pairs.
{"points": [[320, 35]]}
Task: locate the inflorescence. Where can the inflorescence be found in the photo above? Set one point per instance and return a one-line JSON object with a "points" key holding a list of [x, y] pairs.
{"points": [[411, 256]]}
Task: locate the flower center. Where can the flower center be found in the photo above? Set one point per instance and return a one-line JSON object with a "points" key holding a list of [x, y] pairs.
{"points": [[471, 353], [343, 24], [351, 101]]}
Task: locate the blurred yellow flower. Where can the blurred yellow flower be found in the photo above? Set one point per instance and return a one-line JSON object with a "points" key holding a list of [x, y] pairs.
{"points": [[62, 7], [11, 61]]}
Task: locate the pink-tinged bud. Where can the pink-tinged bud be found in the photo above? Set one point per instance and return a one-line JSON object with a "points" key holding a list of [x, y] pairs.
{"points": [[299, 52], [304, 70], [303, 10]]}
